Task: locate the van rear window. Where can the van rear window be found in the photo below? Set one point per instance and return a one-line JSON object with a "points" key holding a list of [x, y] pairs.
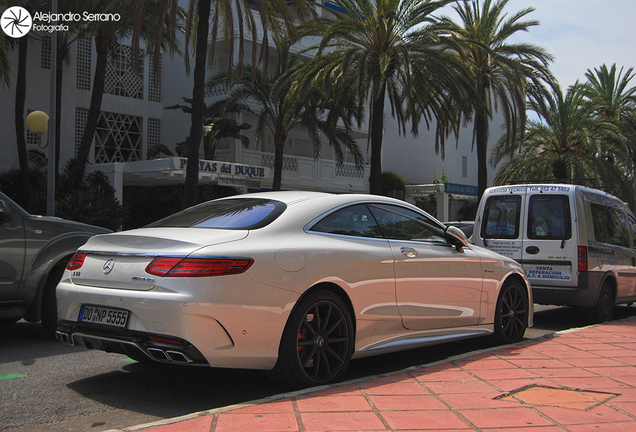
{"points": [[501, 217], [549, 217]]}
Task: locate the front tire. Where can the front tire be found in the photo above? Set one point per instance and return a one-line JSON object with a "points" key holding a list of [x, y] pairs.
{"points": [[511, 316], [317, 342]]}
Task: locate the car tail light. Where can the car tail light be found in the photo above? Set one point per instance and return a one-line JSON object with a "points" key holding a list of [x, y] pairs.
{"points": [[76, 261], [197, 267], [582, 258]]}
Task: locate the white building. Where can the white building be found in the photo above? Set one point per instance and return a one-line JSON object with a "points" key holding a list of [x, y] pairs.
{"points": [[134, 119]]}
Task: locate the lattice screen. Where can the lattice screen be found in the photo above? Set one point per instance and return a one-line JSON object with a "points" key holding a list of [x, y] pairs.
{"points": [[154, 132], [154, 82], [118, 138], [45, 55], [289, 164], [83, 73], [81, 114], [121, 78]]}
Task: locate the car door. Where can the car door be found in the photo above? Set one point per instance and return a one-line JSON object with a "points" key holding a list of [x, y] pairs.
{"points": [[437, 286], [12, 244], [548, 246], [500, 221]]}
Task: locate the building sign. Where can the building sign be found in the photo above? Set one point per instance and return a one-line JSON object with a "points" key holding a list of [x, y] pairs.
{"points": [[227, 168], [460, 189]]}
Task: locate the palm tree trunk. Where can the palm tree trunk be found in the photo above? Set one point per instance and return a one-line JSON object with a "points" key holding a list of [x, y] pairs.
{"points": [[377, 127], [102, 45], [20, 95], [198, 106], [278, 162], [59, 74], [481, 141]]}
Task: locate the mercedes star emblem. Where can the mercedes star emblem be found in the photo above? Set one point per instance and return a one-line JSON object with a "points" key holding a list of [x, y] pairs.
{"points": [[108, 266]]}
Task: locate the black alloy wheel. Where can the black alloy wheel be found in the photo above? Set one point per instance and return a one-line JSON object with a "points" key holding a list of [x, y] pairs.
{"points": [[511, 317], [317, 342]]}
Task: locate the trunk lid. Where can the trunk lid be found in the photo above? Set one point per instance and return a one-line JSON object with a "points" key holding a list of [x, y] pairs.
{"points": [[119, 260]]}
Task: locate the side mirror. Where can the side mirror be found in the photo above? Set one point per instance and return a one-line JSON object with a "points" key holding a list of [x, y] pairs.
{"points": [[456, 237]]}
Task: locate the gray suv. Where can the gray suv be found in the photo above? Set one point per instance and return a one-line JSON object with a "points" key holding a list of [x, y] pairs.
{"points": [[34, 251]]}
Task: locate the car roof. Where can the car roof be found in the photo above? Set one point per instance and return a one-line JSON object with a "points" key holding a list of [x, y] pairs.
{"points": [[292, 197]]}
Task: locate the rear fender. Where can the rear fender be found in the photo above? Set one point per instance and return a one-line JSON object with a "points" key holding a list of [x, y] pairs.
{"points": [[56, 253]]}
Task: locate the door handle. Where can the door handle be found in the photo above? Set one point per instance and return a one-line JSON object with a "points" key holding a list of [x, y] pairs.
{"points": [[532, 250], [633, 262], [409, 252]]}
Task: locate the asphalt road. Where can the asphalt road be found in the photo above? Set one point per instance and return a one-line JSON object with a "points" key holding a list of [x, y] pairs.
{"points": [[47, 386]]}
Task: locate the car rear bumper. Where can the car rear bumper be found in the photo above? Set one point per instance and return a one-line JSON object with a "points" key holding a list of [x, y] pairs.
{"points": [[213, 326], [134, 344]]}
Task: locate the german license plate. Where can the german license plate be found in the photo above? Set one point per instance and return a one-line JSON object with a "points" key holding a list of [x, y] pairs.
{"points": [[102, 315]]}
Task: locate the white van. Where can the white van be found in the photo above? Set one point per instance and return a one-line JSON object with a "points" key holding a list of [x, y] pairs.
{"points": [[577, 244]]}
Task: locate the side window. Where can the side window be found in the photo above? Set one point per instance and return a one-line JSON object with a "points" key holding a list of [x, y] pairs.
{"points": [[501, 217], [549, 217], [352, 221], [610, 225], [399, 223]]}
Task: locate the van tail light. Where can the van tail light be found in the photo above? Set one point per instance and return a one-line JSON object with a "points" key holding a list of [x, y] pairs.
{"points": [[197, 267], [582, 258], [76, 261]]}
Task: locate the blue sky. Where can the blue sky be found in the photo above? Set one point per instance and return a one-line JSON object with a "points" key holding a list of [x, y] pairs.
{"points": [[581, 34]]}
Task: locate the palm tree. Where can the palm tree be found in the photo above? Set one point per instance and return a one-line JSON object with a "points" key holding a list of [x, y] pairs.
{"points": [[387, 49], [5, 64], [19, 105], [608, 91], [280, 114], [503, 73], [106, 33], [611, 98], [252, 17], [566, 143]]}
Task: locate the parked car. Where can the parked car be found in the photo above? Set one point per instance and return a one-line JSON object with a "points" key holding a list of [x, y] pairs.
{"points": [[33, 253], [577, 244], [294, 282]]}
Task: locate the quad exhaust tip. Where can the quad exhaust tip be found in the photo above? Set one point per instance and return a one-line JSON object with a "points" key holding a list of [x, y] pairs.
{"points": [[168, 355], [64, 337]]}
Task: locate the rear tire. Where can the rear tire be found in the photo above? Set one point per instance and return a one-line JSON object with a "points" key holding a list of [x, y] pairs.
{"points": [[317, 342], [602, 310], [511, 316]]}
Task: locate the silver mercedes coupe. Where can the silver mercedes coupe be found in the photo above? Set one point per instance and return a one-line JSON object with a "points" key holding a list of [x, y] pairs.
{"points": [[298, 283]]}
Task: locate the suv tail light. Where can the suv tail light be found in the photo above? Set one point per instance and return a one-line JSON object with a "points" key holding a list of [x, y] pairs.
{"points": [[76, 261], [582, 258], [197, 267]]}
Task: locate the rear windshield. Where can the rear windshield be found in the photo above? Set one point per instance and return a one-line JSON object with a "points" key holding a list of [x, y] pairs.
{"points": [[549, 217], [234, 213], [501, 217]]}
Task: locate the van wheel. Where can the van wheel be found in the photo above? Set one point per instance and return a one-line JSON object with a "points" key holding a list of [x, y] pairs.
{"points": [[511, 316], [604, 307]]}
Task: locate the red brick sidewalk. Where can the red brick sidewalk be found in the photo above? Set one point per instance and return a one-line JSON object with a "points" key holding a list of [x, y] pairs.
{"points": [[579, 381]]}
